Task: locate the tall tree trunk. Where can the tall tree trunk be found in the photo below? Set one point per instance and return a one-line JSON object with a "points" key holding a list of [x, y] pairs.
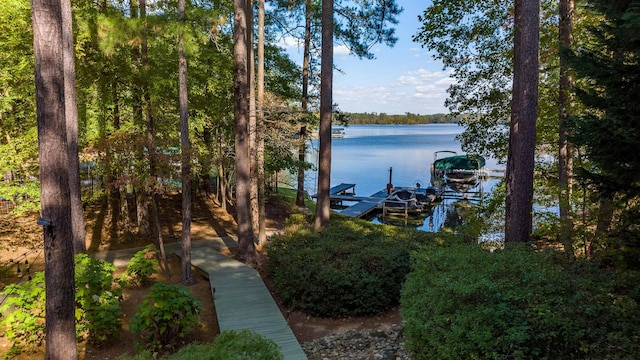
{"points": [[262, 232], [55, 199], [302, 151], [114, 174], [326, 106], [565, 157], [253, 148], [185, 150], [71, 119], [222, 184], [300, 195], [241, 115], [151, 142], [524, 108], [142, 199]]}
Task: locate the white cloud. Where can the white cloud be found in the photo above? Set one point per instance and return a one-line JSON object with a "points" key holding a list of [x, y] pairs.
{"points": [[341, 50], [289, 42], [418, 91]]}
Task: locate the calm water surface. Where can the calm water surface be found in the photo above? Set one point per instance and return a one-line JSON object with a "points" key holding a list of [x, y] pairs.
{"points": [[364, 156]]}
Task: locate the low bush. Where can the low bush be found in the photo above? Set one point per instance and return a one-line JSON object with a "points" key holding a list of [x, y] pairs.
{"points": [[466, 303], [352, 267], [23, 314], [170, 313], [141, 267], [232, 345], [228, 345], [97, 304]]}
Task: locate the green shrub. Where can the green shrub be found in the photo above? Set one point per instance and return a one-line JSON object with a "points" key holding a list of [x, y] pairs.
{"points": [[141, 267], [97, 301], [352, 267], [97, 306], [228, 345], [23, 314], [232, 345], [170, 313], [466, 303]]}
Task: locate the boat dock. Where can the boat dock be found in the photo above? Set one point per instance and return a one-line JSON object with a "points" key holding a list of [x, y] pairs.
{"points": [[347, 192], [365, 206]]}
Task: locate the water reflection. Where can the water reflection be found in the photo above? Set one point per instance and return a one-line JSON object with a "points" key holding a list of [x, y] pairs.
{"points": [[448, 214], [367, 152]]}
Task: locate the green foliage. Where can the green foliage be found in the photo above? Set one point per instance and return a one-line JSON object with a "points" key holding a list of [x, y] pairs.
{"points": [[608, 87], [228, 345], [407, 118], [232, 345], [607, 68], [474, 39], [98, 303], [352, 267], [170, 313], [97, 306], [141, 267], [25, 196], [23, 314], [467, 303]]}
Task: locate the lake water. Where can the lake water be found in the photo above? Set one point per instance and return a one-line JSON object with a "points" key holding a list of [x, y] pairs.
{"points": [[364, 156]]}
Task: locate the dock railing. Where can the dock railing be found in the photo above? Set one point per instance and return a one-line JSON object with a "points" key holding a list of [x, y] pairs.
{"points": [[402, 207]]}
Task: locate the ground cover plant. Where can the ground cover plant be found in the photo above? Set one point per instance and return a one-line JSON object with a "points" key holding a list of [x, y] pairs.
{"points": [[352, 267], [141, 267], [167, 316], [467, 303], [228, 345], [97, 303]]}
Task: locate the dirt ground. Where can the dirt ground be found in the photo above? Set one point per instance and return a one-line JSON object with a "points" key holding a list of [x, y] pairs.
{"points": [[21, 244]]}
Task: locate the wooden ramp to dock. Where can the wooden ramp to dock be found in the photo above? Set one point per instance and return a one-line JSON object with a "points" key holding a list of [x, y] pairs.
{"points": [[365, 206], [344, 190], [243, 301]]}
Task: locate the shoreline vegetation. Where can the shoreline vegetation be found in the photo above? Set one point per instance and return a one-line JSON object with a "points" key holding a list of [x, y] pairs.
{"points": [[400, 119]]}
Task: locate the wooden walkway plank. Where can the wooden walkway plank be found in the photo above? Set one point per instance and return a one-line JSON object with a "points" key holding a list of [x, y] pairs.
{"points": [[365, 206], [243, 301], [338, 189]]}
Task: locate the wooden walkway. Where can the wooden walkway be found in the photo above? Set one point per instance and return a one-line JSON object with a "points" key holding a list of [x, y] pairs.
{"points": [[365, 206], [243, 301]]}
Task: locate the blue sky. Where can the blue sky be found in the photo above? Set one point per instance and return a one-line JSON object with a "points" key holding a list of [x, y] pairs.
{"points": [[401, 79]]}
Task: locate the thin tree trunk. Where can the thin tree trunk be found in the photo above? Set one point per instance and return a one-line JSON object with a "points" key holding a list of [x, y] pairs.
{"points": [[222, 183], [151, 143], [142, 212], [326, 106], [187, 274], [142, 200], [522, 136], [124, 210], [302, 151], [603, 225], [241, 115], [565, 163], [55, 200], [71, 119], [113, 185], [262, 232]]}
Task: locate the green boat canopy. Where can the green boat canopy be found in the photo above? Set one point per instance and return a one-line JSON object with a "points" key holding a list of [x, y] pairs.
{"points": [[460, 162]]}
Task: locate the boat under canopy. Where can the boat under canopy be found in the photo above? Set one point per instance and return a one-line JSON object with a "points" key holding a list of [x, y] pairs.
{"points": [[459, 163], [458, 172]]}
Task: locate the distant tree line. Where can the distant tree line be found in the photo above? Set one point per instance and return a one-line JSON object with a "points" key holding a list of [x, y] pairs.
{"points": [[406, 118]]}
